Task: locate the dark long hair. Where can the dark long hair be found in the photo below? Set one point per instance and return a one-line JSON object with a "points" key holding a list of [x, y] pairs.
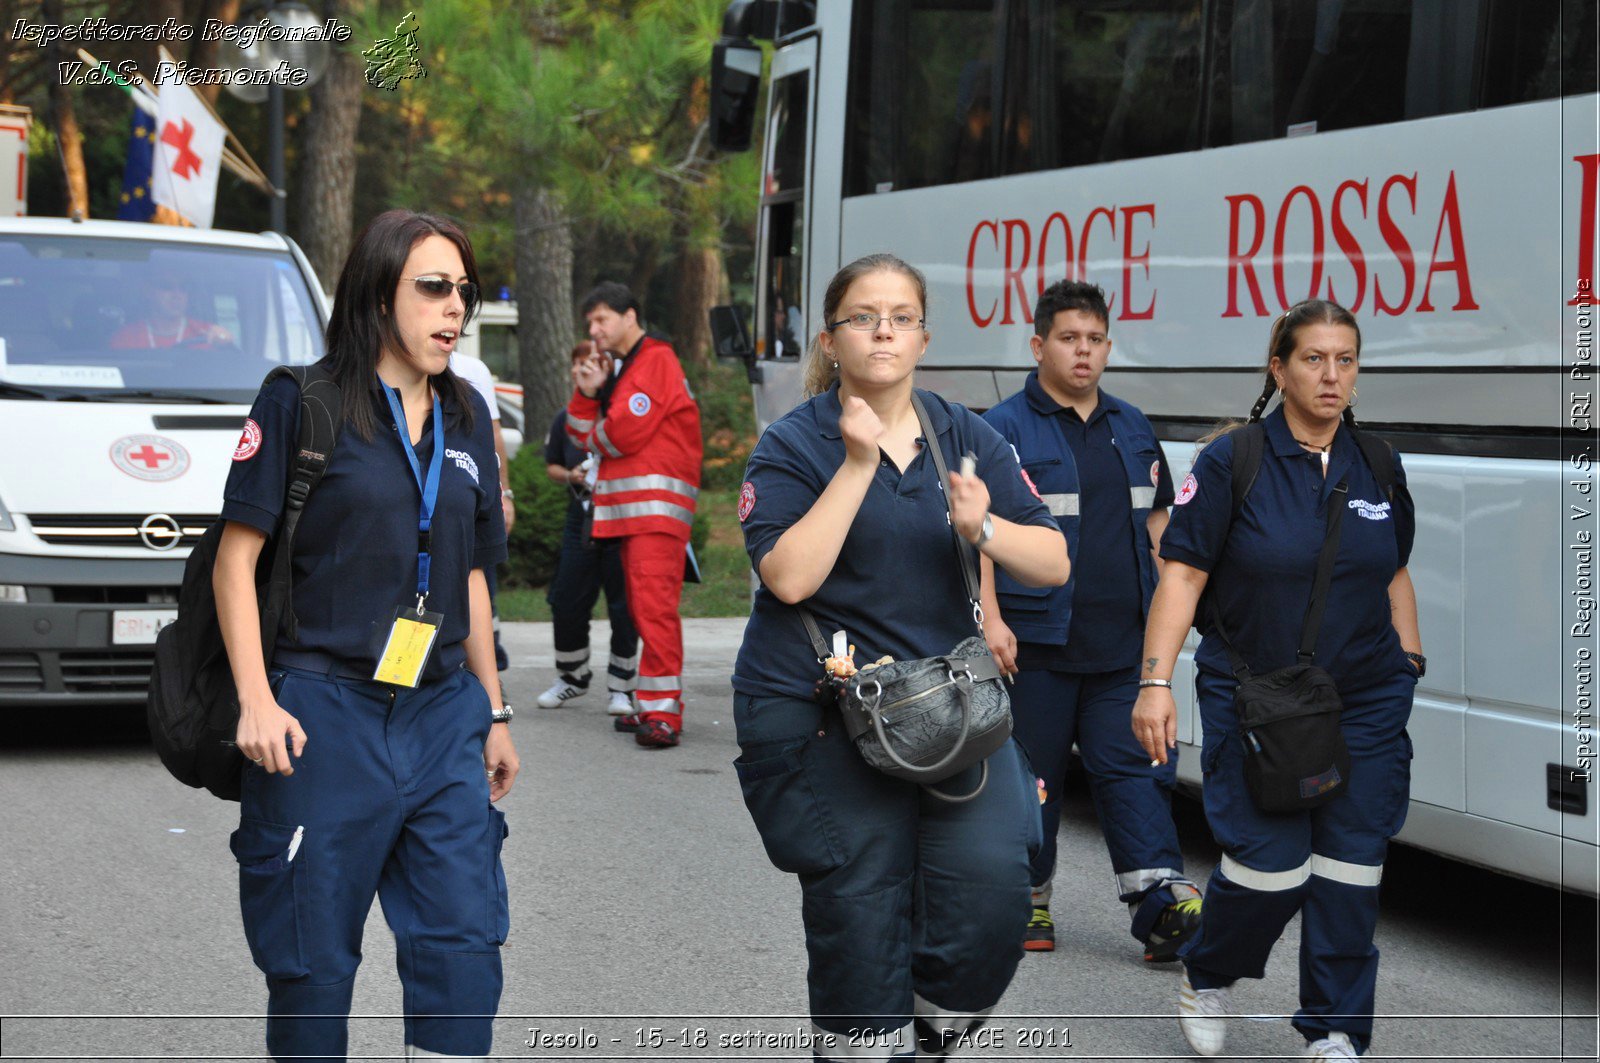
{"points": [[1280, 345], [362, 324]]}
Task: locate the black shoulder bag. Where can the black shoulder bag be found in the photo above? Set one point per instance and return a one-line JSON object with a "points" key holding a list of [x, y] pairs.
{"points": [[929, 719], [1294, 752]]}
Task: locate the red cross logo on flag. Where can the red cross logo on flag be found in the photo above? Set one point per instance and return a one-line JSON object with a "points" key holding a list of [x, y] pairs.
{"points": [[188, 155], [187, 163]]}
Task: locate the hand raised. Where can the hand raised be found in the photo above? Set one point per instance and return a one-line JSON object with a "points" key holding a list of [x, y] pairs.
{"points": [[862, 431], [969, 503]]}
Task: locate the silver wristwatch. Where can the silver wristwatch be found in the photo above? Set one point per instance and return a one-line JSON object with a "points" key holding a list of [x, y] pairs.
{"points": [[503, 716], [986, 532]]}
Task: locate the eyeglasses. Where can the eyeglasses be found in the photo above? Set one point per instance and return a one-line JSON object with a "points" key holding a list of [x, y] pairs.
{"points": [[440, 288], [901, 322]]}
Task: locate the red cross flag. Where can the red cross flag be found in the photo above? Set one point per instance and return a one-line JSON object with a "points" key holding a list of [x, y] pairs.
{"points": [[188, 155]]}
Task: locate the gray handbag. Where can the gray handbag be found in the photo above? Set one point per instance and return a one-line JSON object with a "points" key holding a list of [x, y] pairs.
{"points": [[929, 719]]}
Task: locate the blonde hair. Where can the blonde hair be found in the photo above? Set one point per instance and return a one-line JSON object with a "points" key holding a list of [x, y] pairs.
{"points": [[821, 372]]}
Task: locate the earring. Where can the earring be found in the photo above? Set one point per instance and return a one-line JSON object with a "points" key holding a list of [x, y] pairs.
{"points": [[835, 367], [1352, 398]]}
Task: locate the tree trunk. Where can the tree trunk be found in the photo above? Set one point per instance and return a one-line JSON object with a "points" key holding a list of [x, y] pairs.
{"points": [[324, 199], [696, 285], [545, 330], [203, 53], [69, 139]]}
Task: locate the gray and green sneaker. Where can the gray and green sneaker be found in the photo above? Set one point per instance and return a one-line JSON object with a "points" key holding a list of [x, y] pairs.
{"points": [[1041, 933]]}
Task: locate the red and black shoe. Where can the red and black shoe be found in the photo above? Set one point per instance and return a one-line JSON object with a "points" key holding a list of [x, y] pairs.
{"points": [[657, 733], [627, 724]]}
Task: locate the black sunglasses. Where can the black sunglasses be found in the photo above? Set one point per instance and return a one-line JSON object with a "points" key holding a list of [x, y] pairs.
{"points": [[440, 288]]}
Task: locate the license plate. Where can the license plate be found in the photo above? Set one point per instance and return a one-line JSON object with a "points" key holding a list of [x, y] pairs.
{"points": [[138, 627]]}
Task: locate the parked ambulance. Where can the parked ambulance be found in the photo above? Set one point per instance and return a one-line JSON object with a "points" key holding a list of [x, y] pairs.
{"points": [[129, 356]]}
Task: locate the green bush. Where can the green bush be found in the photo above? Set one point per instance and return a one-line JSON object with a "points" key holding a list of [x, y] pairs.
{"points": [[727, 424], [535, 542]]}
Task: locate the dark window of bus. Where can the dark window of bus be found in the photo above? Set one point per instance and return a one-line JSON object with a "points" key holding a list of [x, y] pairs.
{"points": [[1291, 67], [784, 212], [924, 82], [1539, 49], [1103, 80], [788, 135]]}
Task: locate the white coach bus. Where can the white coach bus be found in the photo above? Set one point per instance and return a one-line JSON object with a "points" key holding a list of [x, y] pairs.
{"points": [[1430, 164]]}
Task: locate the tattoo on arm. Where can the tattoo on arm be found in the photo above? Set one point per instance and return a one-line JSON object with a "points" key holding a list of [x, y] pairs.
{"points": [[1150, 663]]}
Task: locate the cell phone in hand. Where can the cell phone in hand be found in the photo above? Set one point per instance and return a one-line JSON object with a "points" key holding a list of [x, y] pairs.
{"points": [[969, 464]]}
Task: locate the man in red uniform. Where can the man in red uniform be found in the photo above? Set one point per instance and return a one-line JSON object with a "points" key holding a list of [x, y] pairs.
{"points": [[644, 427]]}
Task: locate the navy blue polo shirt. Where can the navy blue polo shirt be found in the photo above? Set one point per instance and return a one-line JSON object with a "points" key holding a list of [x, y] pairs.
{"points": [[1263, 562], [559, 449], [896, 588], [1107, 601], [355, 551]]}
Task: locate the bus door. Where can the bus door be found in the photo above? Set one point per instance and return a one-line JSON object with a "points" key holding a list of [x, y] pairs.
{"points": [[783, 296]]}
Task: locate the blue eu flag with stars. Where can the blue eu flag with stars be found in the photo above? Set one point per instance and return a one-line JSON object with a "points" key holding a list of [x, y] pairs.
{"points": [[135, 204]]}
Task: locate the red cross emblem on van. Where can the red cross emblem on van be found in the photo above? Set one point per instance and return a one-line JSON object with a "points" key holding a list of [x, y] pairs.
{"points": [[147, 457]]}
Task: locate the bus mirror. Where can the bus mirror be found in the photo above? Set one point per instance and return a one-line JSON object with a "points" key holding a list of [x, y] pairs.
{"points": [[735, 84], [729, 338]]}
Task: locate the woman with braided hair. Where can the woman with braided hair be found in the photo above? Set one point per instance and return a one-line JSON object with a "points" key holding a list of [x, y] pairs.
{"points": [[1252, 544]]}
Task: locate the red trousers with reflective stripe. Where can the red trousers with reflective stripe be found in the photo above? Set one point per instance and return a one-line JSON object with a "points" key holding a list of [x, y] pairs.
{"points": [[653, 564]]}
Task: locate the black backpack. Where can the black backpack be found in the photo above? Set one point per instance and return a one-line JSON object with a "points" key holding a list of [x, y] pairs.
{"points": [[192, 706]]}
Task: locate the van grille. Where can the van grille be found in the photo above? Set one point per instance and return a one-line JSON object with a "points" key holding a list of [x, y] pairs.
{"points": [[106, 671], [20, 673], [110, 529]]}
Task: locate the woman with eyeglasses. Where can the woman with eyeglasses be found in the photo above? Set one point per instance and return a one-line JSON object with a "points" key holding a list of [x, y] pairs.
{"points": [[914, 907], [375, 734]]}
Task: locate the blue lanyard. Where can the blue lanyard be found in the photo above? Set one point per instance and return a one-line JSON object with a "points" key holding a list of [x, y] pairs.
{"points": [[428, 487]]}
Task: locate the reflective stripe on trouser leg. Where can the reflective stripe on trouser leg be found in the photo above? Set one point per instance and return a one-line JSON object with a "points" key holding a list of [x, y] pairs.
{"points": [[622, 673], [1240, 921], [413, 1052], [653, 563], [1338, 961], [940, 1032], [862, 1045]]}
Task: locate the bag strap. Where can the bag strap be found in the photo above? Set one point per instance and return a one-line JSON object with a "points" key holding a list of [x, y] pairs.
{"points": [[1248, 443], [964, 549], [321, 415], [969, 573], [1316, 607]]}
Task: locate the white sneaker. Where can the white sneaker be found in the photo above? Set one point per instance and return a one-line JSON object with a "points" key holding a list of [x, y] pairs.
{"points": [[562, 691], [1334, 1046], [1203, 1015], [620, 704]]}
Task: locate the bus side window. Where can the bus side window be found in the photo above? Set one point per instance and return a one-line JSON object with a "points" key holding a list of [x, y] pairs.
{"points": [[1539, 49]]}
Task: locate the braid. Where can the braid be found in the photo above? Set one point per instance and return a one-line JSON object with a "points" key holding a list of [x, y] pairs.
{"points": [[1261, 403], [1349, 416]]}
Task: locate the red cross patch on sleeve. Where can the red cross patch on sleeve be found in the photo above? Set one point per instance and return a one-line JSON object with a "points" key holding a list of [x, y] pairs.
{"points": [[249, 441], [1186, 492], [747, 500]]}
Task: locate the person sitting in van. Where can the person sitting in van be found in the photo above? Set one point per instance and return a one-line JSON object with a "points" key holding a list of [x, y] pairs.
{"points": [[168, 323]]}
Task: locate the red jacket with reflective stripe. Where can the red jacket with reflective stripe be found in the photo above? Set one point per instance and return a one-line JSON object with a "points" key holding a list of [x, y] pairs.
{"points": [[648, 442]]}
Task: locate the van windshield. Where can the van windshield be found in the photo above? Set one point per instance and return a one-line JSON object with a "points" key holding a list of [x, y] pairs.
{"points": [[88, 319]]}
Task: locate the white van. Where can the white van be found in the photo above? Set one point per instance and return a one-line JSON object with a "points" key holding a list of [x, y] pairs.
{"points": [[129, 356]]}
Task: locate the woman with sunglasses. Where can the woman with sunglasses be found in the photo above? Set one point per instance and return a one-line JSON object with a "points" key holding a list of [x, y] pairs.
{"points": [[373, 760]]}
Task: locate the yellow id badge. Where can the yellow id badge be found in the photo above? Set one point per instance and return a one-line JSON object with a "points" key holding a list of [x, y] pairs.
{"points": [[405, 653]]}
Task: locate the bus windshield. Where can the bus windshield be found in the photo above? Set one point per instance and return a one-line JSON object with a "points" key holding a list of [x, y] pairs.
{"points": [[88, 318]]}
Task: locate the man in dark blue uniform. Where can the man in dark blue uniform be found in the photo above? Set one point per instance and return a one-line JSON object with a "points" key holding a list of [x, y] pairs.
{"points": [[1095, 462], [585, 565]]}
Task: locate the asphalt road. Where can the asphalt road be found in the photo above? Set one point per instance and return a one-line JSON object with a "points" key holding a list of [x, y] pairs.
{"points": [[642, 900]]}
